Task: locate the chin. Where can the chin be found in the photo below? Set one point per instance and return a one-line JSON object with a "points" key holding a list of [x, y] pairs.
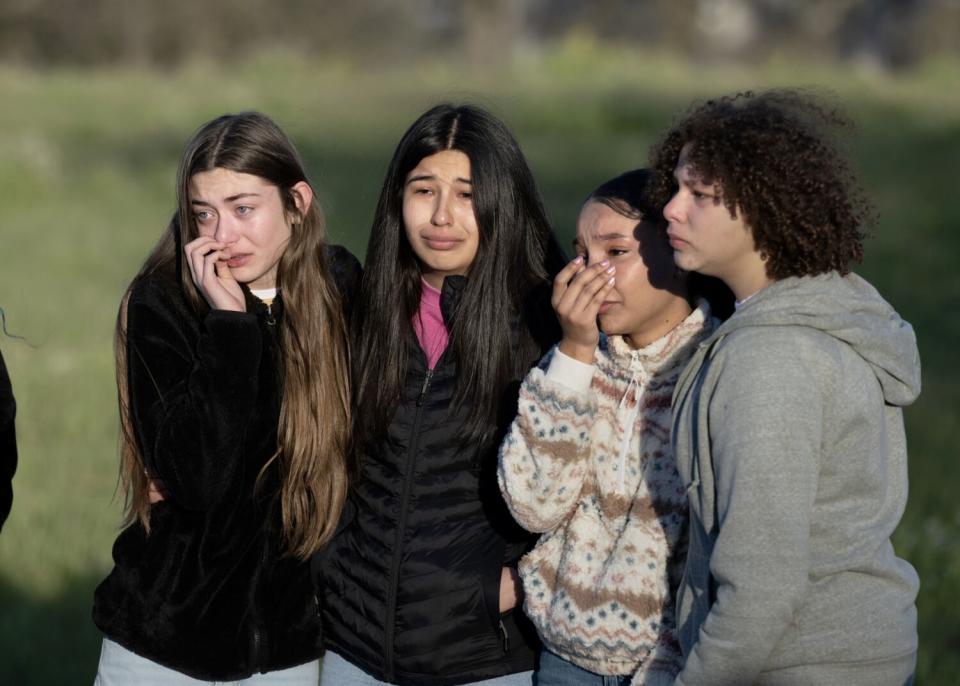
{"points": [[685, 262], [608, 325], [443, 267]]}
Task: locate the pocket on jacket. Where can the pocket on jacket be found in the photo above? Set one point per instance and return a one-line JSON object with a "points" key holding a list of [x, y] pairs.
{"points": [[448, 625]]}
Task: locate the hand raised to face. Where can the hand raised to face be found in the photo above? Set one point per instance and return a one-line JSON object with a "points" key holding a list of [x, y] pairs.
{"points": [[578, 292], [211, 274]]}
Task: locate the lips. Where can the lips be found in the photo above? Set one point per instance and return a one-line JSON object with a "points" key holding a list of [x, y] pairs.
{"points": [[238, 260], [441, 242], [677, 243], [607, 306]]}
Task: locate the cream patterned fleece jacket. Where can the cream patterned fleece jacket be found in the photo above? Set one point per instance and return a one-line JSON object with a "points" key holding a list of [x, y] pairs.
{"points": [[587, 462]]}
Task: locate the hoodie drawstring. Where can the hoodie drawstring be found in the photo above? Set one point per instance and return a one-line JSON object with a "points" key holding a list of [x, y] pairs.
{"points": [[627, 420]]}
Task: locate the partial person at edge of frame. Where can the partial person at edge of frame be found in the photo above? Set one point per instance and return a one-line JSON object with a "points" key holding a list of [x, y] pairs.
{"points": [[788, 425], [8, 442], [234, 398], [588, 462], [421, 585]]}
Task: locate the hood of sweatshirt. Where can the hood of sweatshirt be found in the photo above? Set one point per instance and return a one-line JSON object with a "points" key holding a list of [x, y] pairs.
{"points": [[850, 310]]}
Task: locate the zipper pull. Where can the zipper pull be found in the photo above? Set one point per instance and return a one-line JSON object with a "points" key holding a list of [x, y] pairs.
{"points": [[423, 389], [504, 636], [271, 321]]}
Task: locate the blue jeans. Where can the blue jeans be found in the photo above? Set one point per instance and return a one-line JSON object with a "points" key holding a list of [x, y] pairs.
{"points": [[121, 667], [338, 671], [555, 671]]}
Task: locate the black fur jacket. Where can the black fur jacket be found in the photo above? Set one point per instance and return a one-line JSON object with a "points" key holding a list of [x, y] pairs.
{"points": [[209, 592]]}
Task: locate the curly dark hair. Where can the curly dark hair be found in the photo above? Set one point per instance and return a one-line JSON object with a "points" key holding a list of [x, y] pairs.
{"points": [[776, 159]]}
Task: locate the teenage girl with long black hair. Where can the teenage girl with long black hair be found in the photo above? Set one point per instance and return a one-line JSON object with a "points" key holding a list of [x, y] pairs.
{"points": [[453, 311], [234, 403]]}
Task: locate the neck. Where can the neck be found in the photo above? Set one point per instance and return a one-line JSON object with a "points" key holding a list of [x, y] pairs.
{"points": [[744, 288], [434, 279], [747, 277], [660, 325], [429, 286]]}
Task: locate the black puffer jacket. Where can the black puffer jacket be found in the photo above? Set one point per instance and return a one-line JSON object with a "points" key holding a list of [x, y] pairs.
{"points": [[412, 582], [208, 592]]}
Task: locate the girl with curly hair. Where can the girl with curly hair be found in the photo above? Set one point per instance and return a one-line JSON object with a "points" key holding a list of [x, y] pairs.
{"points": [[788, 422]]}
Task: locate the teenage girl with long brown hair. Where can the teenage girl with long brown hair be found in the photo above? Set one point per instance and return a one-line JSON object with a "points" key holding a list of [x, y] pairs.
{"points": [[235, 406]]}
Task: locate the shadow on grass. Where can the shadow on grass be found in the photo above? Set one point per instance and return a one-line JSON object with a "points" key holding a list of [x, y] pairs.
{"points": [[48, 641]]}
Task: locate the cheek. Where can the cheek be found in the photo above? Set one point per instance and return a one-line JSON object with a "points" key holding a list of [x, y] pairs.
{"points": [[410, 217], [468, 221], [631, 278], [206, 230], [276, 232]]}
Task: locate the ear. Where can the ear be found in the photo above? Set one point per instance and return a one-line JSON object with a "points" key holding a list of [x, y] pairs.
{"points": [[302, 196]]}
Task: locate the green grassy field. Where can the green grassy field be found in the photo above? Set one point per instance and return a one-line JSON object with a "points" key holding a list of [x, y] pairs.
{"points": [[87, 162]]}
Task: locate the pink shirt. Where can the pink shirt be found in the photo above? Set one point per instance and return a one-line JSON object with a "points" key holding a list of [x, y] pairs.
{"points": [[429, 326]]}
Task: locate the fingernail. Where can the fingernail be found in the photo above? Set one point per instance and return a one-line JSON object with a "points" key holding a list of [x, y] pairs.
{"points": [[611, 269], [605, 263], [612, 280], [578, 259]]}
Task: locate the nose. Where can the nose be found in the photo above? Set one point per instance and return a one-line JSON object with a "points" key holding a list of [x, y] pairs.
{"points": [[672, 211], [594, 256], [441, 210], [225, 231]]}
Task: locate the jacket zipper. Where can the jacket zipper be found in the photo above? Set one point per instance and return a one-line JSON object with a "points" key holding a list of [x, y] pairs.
{"points": [[391, 617], [256, 638], [271, 321]]}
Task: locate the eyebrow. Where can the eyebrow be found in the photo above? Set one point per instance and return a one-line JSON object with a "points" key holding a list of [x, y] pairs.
{"points": [[693, 179], [232, 198], [431, 177], [602, 237]]}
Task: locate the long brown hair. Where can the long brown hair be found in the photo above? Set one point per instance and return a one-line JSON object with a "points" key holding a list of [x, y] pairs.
{"points": [[314, 426]]}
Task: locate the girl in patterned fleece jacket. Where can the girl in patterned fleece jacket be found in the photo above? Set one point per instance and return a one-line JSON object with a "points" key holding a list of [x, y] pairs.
{"points": [[588, 463]]}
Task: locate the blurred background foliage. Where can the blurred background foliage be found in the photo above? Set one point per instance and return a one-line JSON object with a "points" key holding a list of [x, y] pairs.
{"points": [[886, 34], [98, 98]]}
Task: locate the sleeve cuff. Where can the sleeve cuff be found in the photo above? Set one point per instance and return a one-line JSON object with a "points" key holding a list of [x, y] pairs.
{"points": [[573, 374]]}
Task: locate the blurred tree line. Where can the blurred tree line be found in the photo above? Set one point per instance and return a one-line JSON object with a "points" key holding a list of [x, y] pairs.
{"points": [[886, 34]]}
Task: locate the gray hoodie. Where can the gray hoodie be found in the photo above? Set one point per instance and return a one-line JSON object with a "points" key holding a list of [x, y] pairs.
{"points": [[788, 430]]}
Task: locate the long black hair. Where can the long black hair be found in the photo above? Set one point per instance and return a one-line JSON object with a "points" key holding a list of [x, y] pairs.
{"points": [[509, 278]]}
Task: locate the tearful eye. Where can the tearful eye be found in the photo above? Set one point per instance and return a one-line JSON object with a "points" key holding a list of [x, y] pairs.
{"points": [[244, 209]]}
